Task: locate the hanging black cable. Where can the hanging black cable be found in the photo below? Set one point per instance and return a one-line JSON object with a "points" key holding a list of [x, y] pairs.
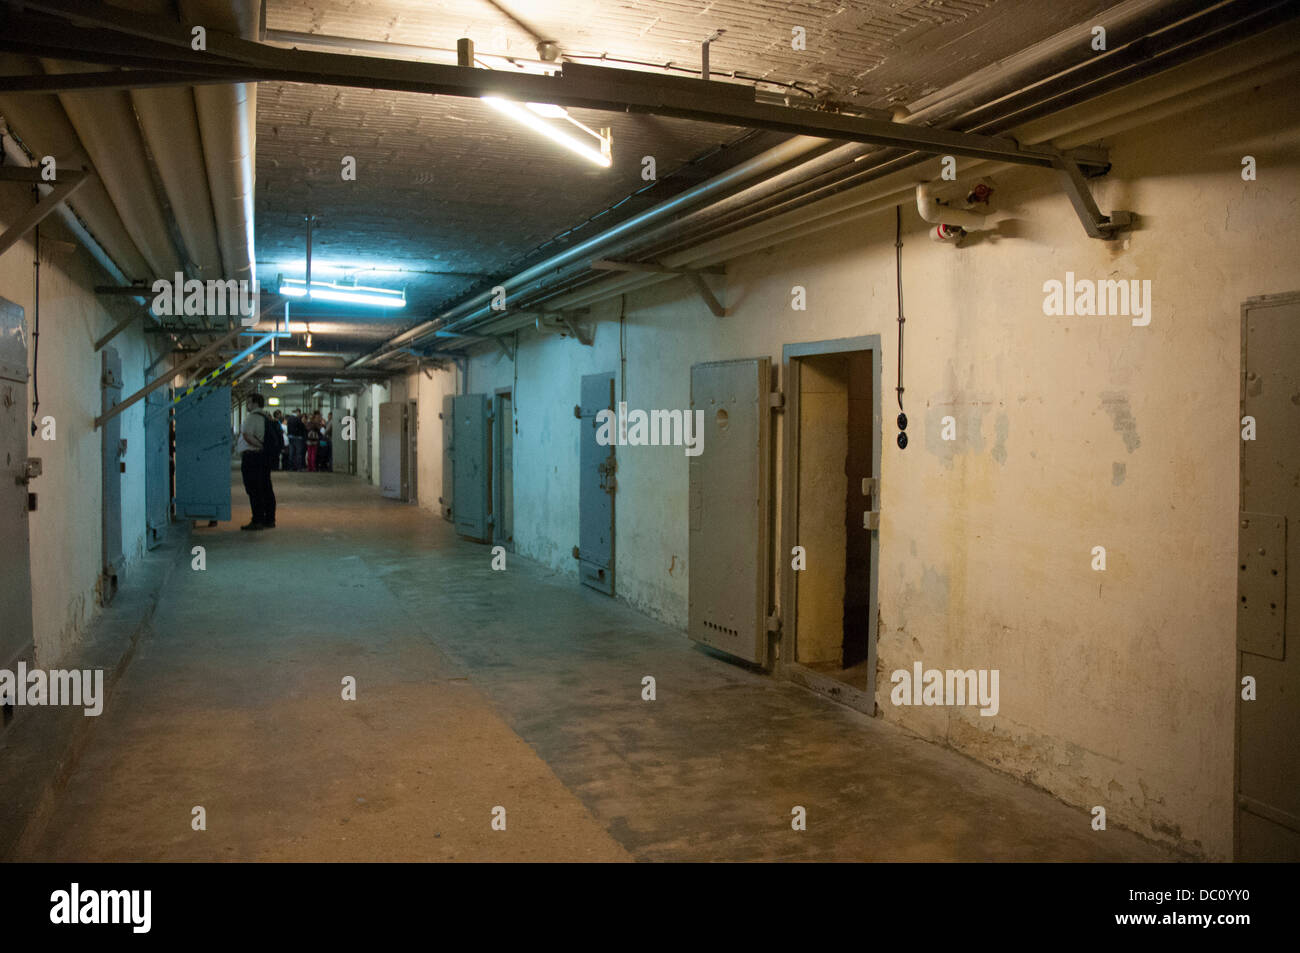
{"points": [[36, 319], [898, 253], [898, 278]]}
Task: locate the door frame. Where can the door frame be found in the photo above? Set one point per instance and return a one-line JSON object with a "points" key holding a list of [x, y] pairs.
{"points": [[787, 664]]}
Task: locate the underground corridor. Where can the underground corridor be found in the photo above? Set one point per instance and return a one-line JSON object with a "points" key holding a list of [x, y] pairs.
{"points": [[571, 432]]}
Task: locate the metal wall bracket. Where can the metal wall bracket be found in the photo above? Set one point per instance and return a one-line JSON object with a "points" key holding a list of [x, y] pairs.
{"points": [[584, 334], [694, 274], [66, 184], [1076, 188]]}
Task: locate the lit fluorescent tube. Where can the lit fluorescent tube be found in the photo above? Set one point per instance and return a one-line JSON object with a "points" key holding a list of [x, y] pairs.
{"points": [[347, 294], [522, 115]]}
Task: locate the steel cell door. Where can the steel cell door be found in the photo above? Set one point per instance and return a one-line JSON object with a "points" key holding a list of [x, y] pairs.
{"points": [[503, 442], [203, 454], [157, 473], [448, 418], [597, 484], [471, 421], [1268, 584], [393, 450], [15, 553], [112, 452], [412, 451], [729, 491]]}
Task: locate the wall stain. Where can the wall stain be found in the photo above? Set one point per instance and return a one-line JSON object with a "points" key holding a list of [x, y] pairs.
{"points": [[1116, 405], [1001, 427], [1117, 473]]}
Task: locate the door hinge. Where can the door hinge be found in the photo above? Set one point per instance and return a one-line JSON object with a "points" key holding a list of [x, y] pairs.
{"points": [[774, 623], [776, 400]]}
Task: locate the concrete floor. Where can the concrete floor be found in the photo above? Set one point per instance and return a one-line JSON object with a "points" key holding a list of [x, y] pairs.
{"points": [[478, 689]]}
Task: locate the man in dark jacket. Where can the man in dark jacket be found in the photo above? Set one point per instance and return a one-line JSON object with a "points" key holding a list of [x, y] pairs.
{"points": [[255, 465]]}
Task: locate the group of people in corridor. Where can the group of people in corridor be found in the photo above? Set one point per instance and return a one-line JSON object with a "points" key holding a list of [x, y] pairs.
{"points": [[309, 441]]}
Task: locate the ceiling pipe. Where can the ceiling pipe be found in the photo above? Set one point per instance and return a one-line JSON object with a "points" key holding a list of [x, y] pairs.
{"points": [[1194, 87], [227, 118], [1102, 74], [1062, 51], [769, 161], [107, 127], [1048, 58], [1270, 47], [171, 129]]}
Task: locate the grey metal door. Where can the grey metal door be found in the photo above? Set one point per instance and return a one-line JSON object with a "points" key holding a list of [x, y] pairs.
{"points": [[15, 555], [729, 489], [448, 418], [157, 456], [1268, 584], [412, 451], [393, 450], [597, 484], [112, 453], [203, 438], [471, 415], [503, 442]]}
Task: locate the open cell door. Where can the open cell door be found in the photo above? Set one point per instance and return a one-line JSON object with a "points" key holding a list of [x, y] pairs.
{"points": [[203, 454], [729, 512]]}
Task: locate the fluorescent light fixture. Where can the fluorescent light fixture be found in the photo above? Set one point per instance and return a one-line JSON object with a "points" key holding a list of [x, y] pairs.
{"points": [[278, 379], [273, 401], [345, 293], [533, 122], [548, 110]]}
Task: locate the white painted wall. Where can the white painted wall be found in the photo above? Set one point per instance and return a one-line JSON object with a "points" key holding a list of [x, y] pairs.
{"points": [[65, 530], [1116, 688], [428, 387]]}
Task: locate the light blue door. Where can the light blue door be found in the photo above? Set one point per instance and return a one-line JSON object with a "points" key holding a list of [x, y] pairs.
{"points": [[597, 482], [157, 456], [203, 455], [111, 454]]}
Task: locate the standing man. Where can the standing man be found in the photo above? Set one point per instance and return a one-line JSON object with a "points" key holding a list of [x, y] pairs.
{"points": [[256, 437], [297, 439]]}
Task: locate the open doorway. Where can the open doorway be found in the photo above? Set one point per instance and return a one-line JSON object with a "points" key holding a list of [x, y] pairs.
{"points": [[832, 463]]}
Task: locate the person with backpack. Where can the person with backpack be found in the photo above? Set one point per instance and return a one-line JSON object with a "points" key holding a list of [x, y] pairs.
{"points": [[260, 441]]}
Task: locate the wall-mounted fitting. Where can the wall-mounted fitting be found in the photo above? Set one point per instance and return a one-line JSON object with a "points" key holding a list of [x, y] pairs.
{"points": [[936, 213], [951, 234]]}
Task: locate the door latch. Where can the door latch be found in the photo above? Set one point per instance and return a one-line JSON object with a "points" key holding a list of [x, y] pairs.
{"points": [[31, 470]]}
